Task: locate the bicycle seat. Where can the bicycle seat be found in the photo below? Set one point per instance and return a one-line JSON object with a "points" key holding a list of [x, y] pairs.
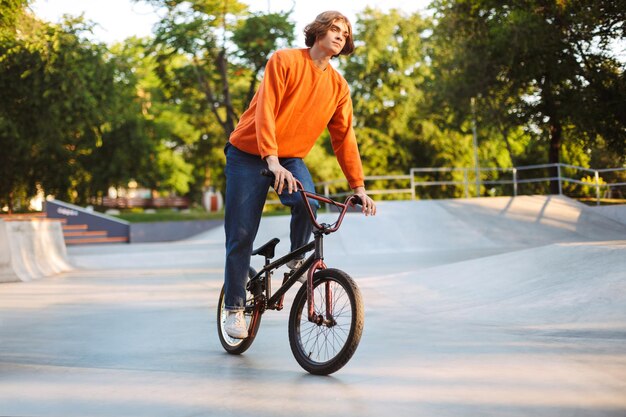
{"points": [[268, 249]]}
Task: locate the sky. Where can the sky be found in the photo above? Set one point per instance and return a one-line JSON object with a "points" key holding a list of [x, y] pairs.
{"points": [[117, 20]]}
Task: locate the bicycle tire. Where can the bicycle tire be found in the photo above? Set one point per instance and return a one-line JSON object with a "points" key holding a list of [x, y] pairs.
{"points": [[321, 349], [232, 345]]}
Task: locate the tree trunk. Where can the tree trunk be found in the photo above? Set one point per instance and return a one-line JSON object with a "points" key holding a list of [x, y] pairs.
{"points": [[555, 131], [505, 136], [10, 203], [222, 66], [554, 152], [251, 88]]}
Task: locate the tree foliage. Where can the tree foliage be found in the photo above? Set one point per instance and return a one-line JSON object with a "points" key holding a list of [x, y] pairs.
{"points": [[209, 57], [544, 65], [538, 80], [385, 74], [54, 102], [71, 123], [221, 45]]}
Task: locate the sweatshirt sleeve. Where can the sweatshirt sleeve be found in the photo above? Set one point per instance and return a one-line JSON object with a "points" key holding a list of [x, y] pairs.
{"points": [[269, 96], [344, 142]]}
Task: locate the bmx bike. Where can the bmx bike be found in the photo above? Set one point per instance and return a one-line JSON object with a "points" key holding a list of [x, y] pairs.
{"points": [[326, 317]]}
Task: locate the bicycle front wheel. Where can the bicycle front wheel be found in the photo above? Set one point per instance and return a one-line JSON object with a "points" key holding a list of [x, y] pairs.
{"points": [[253, 321], [325, 346]]}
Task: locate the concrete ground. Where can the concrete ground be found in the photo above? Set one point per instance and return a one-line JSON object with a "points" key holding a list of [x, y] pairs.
{"points": [[480, 307]]}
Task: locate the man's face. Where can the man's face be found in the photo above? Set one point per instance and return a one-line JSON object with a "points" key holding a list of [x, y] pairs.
{"points": [[335, 39]]}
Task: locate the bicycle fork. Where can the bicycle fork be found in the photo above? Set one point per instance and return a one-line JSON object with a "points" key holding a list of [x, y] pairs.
{"points": [[319, 319]]}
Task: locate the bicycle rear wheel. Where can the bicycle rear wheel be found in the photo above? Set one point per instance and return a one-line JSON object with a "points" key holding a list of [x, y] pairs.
{"points": [[325, 348], [253, 319]]}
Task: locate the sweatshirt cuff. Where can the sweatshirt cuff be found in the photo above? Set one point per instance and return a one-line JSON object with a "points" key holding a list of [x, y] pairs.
{"points": [[264, 152]]}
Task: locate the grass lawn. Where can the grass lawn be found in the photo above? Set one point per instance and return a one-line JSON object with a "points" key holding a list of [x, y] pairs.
{"points": [[603, 201], [169, 215]]}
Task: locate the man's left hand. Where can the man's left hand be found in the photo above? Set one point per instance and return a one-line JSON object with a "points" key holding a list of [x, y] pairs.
{"points": [[368, 205]]}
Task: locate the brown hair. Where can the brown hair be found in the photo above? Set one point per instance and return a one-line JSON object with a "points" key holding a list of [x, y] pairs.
{"points": [[322, 25]]}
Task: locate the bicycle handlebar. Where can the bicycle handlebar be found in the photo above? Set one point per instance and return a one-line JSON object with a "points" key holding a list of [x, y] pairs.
{"points": [[267, 173], [350, 201]]}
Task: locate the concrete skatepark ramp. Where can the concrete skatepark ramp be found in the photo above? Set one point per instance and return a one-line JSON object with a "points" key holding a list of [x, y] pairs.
{"points": [[31, 250], [479, 307]]}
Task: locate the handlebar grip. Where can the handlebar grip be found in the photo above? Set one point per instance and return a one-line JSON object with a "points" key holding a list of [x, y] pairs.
{"points": [[357, 200]]}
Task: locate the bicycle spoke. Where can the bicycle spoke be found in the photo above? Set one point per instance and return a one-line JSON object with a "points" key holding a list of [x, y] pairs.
{"points": [[321, 343], [327, 343], [310, 333]]}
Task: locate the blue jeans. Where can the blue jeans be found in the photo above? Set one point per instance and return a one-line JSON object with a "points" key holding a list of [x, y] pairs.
{"points": [[246, 192]]}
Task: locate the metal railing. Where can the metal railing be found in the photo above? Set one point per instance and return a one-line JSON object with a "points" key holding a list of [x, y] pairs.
{"points": [[459, 182]]}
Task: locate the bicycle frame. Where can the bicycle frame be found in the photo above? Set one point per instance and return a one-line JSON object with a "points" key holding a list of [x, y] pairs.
{"points": [[312, 264]]}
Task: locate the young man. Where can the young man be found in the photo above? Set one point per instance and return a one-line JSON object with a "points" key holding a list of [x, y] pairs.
{"points": [[300, 96]]}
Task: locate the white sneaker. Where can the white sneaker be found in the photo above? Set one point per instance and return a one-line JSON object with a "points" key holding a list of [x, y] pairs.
{"points": [[236, 326], [295, 263]]}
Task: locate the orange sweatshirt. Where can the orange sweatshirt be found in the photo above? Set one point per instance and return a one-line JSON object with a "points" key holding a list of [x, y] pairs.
{"points": [[294, 104]]}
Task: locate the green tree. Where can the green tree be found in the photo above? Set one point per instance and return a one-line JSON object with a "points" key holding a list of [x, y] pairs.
{"points": [[10, 10], [145, 132], [54, 100], [223, 46], [385, 74], [210, 55], [543, 65], [73, 120]]}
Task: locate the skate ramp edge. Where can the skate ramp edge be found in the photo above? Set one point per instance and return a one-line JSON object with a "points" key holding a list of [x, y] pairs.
{"points": [[489, 225], [31, 250], [493, 223], [616, 212]]}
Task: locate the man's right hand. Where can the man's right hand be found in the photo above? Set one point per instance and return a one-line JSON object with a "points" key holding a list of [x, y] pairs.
{"points": [[281, 175]]}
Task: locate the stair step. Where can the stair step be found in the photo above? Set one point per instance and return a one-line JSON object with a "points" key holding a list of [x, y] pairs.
{"points": [[75, 227], [86, 240], [86, 233], [73, 234]]}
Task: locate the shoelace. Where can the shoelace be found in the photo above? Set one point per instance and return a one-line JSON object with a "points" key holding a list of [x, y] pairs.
{"points": [[240, 321]]}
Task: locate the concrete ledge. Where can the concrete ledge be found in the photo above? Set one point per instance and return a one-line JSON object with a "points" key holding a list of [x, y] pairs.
{"points": [[31, 250], [170, 231]]}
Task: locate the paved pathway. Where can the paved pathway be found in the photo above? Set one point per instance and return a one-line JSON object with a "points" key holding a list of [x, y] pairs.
{"points": [[486, 307]]}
